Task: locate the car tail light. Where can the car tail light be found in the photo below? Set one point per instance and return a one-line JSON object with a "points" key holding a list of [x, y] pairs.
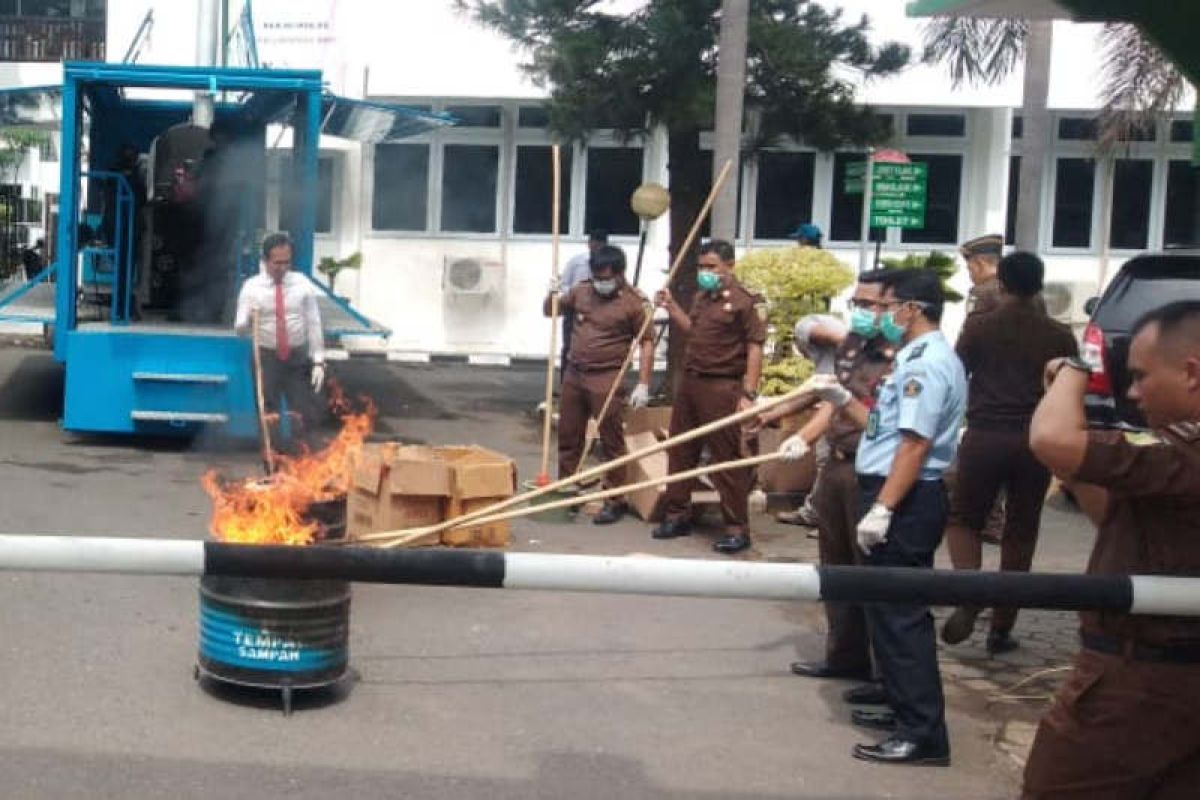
{"points": [[1093, 353]]}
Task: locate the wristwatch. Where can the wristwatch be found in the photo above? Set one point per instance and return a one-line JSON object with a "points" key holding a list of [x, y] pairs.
{"points": [[1075, 362], [750, 394]]}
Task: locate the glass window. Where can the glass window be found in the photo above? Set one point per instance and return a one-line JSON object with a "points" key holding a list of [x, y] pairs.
{"points": [[1081, 129], [469, 178], [1130, 228], [475, 116], [287, 209], [401, 187], [845, 221], [785, 193], [1018, 127], [534, 189], [8, 7], [1183, 212], [937, 125], [1074, 192], [533, 117], [1182, 130], [941, 201], [1014, 192], [612, 175]]}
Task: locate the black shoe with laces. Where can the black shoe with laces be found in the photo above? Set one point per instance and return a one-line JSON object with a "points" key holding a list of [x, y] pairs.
{"points": [[611, 512], [671, 528]]}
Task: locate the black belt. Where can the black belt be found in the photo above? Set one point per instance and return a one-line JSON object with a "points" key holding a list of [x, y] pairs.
{"points": [[1188, 653], [583, 369], [712, 376]]}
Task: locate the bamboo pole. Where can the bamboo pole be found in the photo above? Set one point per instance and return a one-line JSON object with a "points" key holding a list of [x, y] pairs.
{"points": [[543, 477], [419, 537], [590, 437], [599, 469], [260, 406]]}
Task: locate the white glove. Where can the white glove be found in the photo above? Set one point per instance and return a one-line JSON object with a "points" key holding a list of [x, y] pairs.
{"points": [[640, 397], [828, 389], [873, 528], [555, 286], [318, 377], [793, 448]]}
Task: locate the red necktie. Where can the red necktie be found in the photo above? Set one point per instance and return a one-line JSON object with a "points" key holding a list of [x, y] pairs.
{"points": [[282, 348]]}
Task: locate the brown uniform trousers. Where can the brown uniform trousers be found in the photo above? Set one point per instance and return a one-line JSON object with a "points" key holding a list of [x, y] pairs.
{"points": [[583, 395], [860, 366], [1124, 725], [700, 400]]}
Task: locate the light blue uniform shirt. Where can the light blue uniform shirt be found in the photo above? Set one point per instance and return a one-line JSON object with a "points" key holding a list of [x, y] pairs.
{"points": [[926, 394]]}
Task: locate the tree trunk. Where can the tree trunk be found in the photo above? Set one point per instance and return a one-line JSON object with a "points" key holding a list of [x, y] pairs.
{"points": [[731, 88], [687, 170], [1038, 136]]}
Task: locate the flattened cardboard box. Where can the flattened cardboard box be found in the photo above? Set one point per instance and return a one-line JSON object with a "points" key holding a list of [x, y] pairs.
{"points": [[650, 503]]}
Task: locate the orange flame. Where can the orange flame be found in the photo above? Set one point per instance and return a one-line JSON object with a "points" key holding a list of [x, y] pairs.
{"points": [[272, 510]]}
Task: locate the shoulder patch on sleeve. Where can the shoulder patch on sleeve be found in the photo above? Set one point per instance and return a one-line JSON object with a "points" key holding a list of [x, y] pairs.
{"points": [[760, 308], [913, 388], [1188, 431], [1143, 438], [916, 353]]}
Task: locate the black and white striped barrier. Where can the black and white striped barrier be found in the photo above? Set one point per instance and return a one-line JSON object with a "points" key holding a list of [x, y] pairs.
{"points": [[1139, 594]]}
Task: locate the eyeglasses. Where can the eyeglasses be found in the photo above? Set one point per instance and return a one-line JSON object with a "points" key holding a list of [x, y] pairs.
{"points": [[867, 305]]}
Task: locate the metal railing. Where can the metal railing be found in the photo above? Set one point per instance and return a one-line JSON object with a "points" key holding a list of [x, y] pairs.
{"points": [[51, 39]]}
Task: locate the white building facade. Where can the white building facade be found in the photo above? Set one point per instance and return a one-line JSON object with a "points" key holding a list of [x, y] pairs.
{"points": [[454, 226]]}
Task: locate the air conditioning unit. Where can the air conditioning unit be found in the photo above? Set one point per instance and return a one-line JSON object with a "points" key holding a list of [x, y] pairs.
{"points": [[472, 277], [1065, 300]]}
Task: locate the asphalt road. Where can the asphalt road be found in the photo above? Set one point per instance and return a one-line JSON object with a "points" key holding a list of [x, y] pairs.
{"points": [[456, 693]]}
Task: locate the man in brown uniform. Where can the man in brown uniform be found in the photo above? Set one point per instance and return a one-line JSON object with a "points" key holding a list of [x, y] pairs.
{"points": [[608, 314], [1004, 352], [722, 364], [1124, 724], [861, 362], [983, 261]]}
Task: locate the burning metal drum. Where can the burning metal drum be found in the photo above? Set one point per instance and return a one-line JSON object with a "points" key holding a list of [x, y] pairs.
{"points": [[274, 633]]}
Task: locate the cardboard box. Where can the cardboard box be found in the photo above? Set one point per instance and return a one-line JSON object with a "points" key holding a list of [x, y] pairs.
{"points": [[399, 487], [652, 419], [650, 503]]}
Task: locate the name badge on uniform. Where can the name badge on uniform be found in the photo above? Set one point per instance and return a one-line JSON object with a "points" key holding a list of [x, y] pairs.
{"points": [[872, 424]]}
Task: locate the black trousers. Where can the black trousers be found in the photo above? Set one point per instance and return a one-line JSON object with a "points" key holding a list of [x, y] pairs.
{"points": [[291, 380], [902, 636]]}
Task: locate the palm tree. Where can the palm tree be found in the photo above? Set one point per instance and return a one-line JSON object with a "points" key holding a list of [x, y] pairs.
{"points": [[1139, 86]]}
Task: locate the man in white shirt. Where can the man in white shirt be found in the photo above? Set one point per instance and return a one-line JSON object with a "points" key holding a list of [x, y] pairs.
{"points": [[289, 335], [577, 270]]}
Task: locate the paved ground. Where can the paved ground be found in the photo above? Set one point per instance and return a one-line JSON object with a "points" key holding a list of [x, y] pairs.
{"points": [[459, 693]]}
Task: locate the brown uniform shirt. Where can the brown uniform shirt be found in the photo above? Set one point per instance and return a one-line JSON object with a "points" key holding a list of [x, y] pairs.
{"points": [[723, 324], [860, 365], [1004, 352], [1152, 524], [986, 296], [605, 327]]}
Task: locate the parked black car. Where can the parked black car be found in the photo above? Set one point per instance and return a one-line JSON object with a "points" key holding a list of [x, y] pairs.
{"points": [[1143, 284]]}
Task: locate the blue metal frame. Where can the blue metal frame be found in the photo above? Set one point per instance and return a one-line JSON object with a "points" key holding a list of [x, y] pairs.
{"points": [[24, 289], [121, 303]]}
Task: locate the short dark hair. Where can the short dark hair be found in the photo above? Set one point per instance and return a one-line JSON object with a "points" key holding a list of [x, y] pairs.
{"points": [[598, 235], [1172, 318], [608, 257], [918, 285], [722, 248], [875, 275], [273, 240], [1022, 273]]}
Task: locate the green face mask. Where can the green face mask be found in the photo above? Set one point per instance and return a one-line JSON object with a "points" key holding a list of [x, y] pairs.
{"points": [[865, 323], [891, 330], [709, 281]]}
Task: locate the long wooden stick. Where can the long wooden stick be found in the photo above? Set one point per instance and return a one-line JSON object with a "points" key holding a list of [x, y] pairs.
{"points": [[552, 356], [417, 537], [590, 438], [600, 469], [264, 432]]}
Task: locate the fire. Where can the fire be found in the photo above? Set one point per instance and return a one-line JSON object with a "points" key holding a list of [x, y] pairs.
{"points": [[272, 510]]}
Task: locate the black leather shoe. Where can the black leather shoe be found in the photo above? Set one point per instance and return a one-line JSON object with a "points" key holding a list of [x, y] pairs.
{"points": [[732, 544], [959, 626], [670, 528], [820, 669], [879, 720], [897, 750], [869, 694], [1001, 642], [610, 512]]}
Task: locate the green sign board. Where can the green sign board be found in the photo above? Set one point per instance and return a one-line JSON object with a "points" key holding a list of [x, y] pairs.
{"points": [[898, 193]]}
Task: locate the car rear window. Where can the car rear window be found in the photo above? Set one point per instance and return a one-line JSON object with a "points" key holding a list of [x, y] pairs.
{"points": [[1146, 284]]}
